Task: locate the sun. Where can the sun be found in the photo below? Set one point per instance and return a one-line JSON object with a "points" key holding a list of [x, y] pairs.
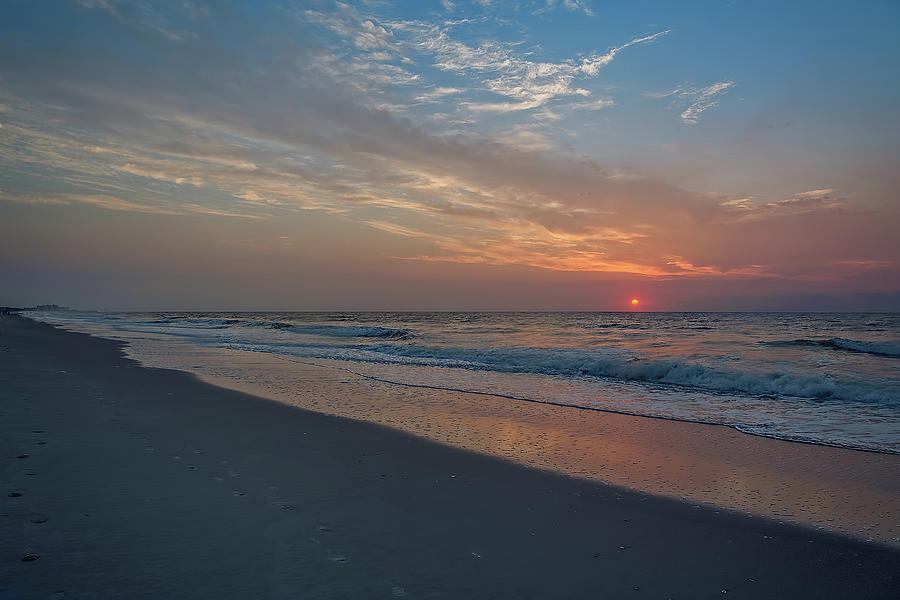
{"points": [[635, 302]]}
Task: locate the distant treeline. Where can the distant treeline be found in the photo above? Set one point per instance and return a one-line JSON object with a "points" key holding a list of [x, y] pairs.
{"points": [[6, 310]]}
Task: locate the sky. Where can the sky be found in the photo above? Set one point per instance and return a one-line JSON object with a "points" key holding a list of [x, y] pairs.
{"points": [[450, 155]]}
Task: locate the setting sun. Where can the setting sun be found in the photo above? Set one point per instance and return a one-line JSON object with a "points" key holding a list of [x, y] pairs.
{"points": [[635, 302]]}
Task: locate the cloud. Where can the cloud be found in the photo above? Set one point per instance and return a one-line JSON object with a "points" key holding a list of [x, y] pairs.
{"points": [[294, 126], [506, 73], [499, 67], [598, 104], [107, 5], [695, 101], [32, 198], [813, 201], [570, 5], [161, 175], [150, 15], [349, 23], [438, 93], [591, 66], [524, 137], [395, 229], [113, 203], [815, 193], [500, 107]]}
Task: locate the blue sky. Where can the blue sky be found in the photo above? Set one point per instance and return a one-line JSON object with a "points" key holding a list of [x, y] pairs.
{"points": [[716, 155]]}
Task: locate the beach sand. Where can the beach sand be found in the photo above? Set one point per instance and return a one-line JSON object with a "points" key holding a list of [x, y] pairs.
{"points": [[120, 481], [850, 492]]}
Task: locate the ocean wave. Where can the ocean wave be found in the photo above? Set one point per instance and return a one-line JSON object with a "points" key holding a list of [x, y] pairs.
{"points": [[616, 325], [879, 348], [268, 324], [196, 321], [883, 348], [337, 331], [610, 363], [350, 331]]}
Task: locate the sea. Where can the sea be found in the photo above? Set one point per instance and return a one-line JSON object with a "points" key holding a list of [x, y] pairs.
{"points": [[821, 378]]}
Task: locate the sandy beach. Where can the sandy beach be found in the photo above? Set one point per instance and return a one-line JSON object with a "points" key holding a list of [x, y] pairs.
{"points": [[121, 481], [853, 493]]}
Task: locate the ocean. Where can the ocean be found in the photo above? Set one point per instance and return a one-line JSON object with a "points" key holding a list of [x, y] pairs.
{"points": [[821, 378]]}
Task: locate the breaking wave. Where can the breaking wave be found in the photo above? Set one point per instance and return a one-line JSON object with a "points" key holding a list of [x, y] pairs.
{"points": [[346, 331], [607, 364], [337, 331], [884, 348]]}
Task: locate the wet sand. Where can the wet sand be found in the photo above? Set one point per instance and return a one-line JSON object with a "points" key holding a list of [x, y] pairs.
{"points": [[124, 481], [850, 492]]}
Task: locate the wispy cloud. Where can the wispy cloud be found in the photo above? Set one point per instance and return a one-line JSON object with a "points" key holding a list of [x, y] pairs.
{"points": [[113, 203], [31, 198], [296, 127], [592, 65], [500, 68], [816, 193], [347, 22], [598, 104], [695, 101], [504, 71], [501, 107], [812, 201], [570, 5], [151, 16], [702, 100], [525, 137], [438, 93]]}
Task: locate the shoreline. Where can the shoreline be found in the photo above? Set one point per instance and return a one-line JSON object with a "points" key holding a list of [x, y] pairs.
{"points": [[563, 405], [845, 413], [309, 362], [282, 500], [846, 491]]}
